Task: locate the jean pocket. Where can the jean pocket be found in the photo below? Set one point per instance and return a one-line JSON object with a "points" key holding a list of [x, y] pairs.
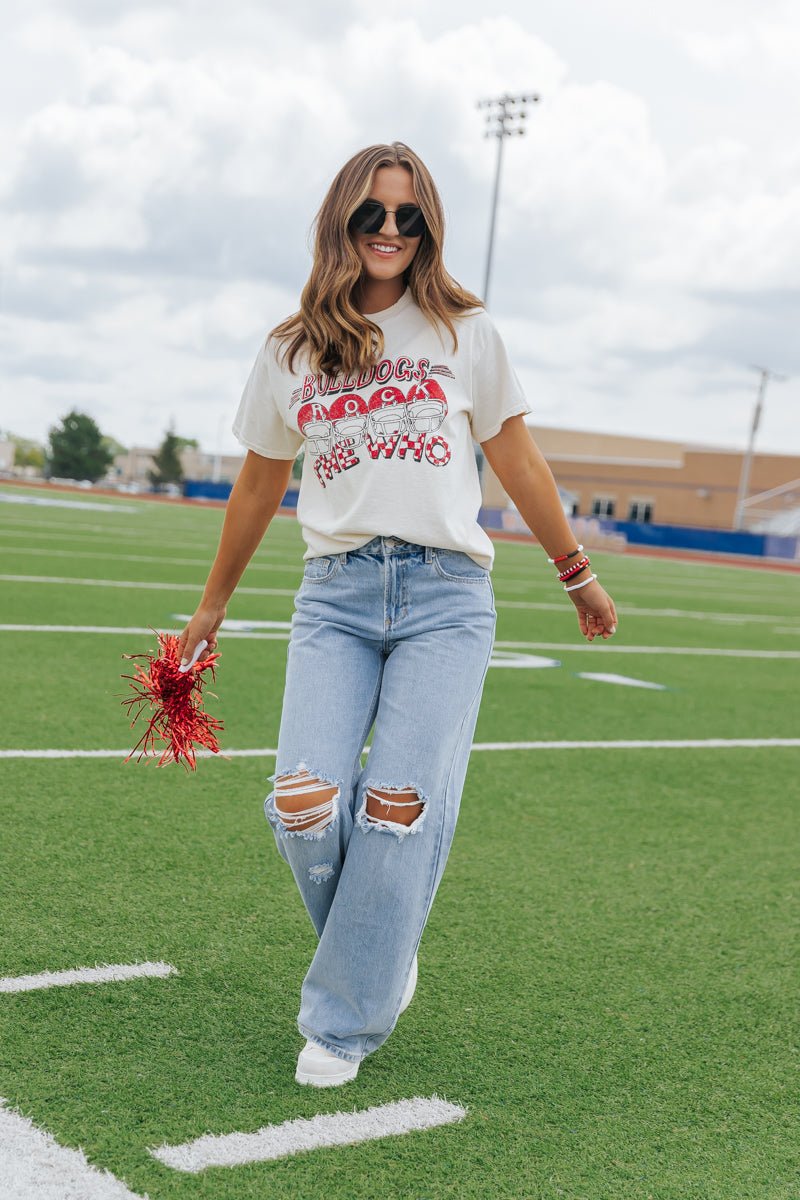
{"points": [[321, 568], [459, 567]]}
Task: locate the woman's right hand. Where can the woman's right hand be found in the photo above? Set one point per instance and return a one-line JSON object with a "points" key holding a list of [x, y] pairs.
{"points": [[204, 624]]}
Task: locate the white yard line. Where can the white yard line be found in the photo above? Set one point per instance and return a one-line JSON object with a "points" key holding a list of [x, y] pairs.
{"points": [[269, 752], [310, 1133], [281, 635], [658, 744], [33, 1166], [632, 610], [293, 564], [124, 754], [100, 533], [501, 577], [138, 584], [622, 680], [641, 563], [53, 526], [612, 647], [113, 973], [609, 647], [60, 502], [529, 605], [516, 659], [684, 580]]}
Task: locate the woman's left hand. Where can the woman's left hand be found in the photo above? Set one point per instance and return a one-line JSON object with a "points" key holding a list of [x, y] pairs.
{"points": [[597, 616]]}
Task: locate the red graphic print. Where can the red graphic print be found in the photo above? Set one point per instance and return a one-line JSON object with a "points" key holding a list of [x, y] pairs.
{"points": [[348, 416], [391, 424]]}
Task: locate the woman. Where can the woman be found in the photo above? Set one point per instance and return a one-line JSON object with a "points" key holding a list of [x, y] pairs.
{"points": [[385, 376]]}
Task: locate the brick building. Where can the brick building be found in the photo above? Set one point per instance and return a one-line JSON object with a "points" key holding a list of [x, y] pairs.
{"points": [[662, 482], [132, 466]]}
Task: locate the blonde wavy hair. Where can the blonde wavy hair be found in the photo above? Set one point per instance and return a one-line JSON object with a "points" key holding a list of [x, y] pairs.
{"points": [[339, 337]]}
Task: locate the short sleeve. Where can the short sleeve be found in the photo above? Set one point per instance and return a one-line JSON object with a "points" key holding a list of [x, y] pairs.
{"points": [[259, 424], [496, 391]]}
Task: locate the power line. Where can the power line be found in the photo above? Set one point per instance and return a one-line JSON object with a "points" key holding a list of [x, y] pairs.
{"points": [[506, 117]]}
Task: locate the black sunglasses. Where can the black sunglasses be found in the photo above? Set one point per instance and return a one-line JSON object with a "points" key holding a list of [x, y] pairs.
{"points": [[369, 217]]}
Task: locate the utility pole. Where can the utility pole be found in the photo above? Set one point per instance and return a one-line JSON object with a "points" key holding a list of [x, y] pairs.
{"points": [[744, 478], [505, 117]]}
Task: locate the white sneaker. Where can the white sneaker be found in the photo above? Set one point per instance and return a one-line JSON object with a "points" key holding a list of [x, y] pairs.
{"points": [[317, 1066], [411, 985], [321, 1068]]}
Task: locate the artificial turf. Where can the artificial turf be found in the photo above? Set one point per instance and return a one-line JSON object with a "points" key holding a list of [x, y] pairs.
{"points": [[608, 976]]}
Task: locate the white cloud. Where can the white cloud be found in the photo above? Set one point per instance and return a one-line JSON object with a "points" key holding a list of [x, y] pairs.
{"points": [[765, 40], [720, 51], [158, 200]]}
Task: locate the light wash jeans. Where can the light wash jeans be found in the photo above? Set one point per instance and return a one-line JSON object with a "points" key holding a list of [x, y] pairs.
{"points": [[401, 635]]}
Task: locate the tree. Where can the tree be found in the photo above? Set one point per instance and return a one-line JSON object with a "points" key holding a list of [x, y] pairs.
{"points": [[77, 450], [28, 454], [114, 446], [167, 462]]}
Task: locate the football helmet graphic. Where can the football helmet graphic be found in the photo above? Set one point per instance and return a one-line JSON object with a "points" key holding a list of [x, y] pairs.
{"points": [[348, 416], [427, 406], [387, 411], [313, 421]]}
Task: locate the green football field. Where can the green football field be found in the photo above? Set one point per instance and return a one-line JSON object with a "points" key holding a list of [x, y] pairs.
{"points": [[608, 978]]}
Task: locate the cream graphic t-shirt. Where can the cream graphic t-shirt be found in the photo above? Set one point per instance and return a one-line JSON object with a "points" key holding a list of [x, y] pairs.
{"points": [[389, 450]]}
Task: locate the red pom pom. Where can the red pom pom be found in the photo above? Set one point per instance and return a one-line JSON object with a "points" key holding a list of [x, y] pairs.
{"points": [[175, 698]]}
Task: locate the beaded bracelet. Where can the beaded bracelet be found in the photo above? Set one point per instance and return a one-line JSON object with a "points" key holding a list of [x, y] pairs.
{"points": [[574, 587], [564, 557], [575, 569]]}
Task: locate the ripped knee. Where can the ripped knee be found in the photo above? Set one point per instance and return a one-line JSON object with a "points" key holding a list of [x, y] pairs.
{"points": [[399, 810], [402, 807], [304, 803]]}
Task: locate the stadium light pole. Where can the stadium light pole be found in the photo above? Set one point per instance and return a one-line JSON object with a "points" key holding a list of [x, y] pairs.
{"points": [[744, 477], [505, 117]]}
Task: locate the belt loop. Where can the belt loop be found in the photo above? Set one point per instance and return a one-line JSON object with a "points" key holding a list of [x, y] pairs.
{"points": [[428, 554], [342, 557]]}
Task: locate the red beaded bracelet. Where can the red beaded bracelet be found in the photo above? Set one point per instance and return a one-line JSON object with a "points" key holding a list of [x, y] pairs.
{"points": [[564, 557], [574, 570]]}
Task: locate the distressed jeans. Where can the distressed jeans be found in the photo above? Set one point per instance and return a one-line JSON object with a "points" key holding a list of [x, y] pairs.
{"points": [[399, 635]]}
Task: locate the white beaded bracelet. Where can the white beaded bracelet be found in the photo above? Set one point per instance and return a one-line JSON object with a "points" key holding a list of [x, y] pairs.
{"points": [[582, 583]]}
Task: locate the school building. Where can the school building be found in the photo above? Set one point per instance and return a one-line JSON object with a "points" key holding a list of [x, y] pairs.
{"points": [[661, 482]]}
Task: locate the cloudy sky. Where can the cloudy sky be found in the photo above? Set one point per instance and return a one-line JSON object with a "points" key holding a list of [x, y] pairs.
{"points": [[160, 167]]}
